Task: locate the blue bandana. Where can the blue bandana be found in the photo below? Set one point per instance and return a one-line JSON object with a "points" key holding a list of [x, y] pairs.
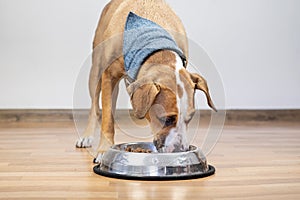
{"points": [[142, 38]]}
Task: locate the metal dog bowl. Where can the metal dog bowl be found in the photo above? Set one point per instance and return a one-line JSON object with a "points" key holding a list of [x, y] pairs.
{"points": [[118, 163]]}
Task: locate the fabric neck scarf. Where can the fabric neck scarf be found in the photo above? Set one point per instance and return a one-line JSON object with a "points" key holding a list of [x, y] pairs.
{"points": [[142, 38]]}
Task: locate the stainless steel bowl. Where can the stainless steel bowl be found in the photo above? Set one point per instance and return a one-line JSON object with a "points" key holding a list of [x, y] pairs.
{"points": [[119, 163]]}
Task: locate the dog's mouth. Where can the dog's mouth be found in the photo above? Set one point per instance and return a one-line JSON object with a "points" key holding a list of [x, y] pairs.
{"points": [[162, 147], [159, 144], [174, 142]]}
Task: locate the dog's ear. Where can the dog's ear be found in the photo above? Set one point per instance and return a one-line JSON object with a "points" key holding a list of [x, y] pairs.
{"points": [[201, 84], [142, 97]]}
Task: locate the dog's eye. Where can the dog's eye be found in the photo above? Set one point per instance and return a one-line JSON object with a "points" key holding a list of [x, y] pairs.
{"points": [[168, 121]]}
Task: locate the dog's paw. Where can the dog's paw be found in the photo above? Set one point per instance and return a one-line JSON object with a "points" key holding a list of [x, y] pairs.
{"points": [[98, 159], [85, 142]]}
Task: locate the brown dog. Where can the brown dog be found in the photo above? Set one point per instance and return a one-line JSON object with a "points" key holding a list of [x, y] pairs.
{"points": [[162, 90]]}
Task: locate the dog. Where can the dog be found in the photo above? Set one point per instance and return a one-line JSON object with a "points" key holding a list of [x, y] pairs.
{"points": [[144, 42]]}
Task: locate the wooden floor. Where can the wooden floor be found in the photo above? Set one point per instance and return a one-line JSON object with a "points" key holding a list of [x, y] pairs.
{"points": [[253, 161]]}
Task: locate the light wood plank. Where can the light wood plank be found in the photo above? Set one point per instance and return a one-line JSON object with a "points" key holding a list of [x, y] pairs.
{"points": [[253, 161]]}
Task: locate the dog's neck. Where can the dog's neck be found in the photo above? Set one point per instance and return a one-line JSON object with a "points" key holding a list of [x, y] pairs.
{"points": [[160, 68]]}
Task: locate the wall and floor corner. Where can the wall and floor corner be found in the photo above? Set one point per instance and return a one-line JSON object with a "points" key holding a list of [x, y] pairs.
{"points": [[254, 44]]}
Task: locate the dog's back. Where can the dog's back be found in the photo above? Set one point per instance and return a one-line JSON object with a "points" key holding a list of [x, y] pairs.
{"points": [[114, 15]]}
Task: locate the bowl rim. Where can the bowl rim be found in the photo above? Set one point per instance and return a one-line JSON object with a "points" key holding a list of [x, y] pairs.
{"points": [[117, 148]]}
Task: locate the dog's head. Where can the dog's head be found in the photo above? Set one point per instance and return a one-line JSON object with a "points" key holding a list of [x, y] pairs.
{"points": [[164, 95]]}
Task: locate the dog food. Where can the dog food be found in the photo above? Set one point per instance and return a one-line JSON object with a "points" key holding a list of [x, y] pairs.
{"points": [[138, 150]]}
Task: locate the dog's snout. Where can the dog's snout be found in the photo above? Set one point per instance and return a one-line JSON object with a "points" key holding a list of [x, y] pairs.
{"points": [[174, 141]]}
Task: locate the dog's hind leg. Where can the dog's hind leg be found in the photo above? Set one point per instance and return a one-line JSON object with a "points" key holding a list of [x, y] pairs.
{"points": [[94, 116]]}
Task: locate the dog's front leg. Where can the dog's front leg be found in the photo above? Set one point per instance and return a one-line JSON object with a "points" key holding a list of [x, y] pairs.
{"points": [[109, 94]]}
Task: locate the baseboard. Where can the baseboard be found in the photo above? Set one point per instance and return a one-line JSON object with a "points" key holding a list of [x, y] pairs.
{"points": [[36, 115], [66, 115]]}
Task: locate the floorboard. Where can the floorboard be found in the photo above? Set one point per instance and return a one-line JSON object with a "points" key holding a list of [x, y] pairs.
{"points": [[253, 161]]}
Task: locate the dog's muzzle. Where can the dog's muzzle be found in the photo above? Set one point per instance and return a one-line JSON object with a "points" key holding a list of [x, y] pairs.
{"points": [[173, 142]]}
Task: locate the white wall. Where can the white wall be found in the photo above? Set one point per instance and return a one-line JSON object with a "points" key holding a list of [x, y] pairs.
{"points": [[254, 44]]}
